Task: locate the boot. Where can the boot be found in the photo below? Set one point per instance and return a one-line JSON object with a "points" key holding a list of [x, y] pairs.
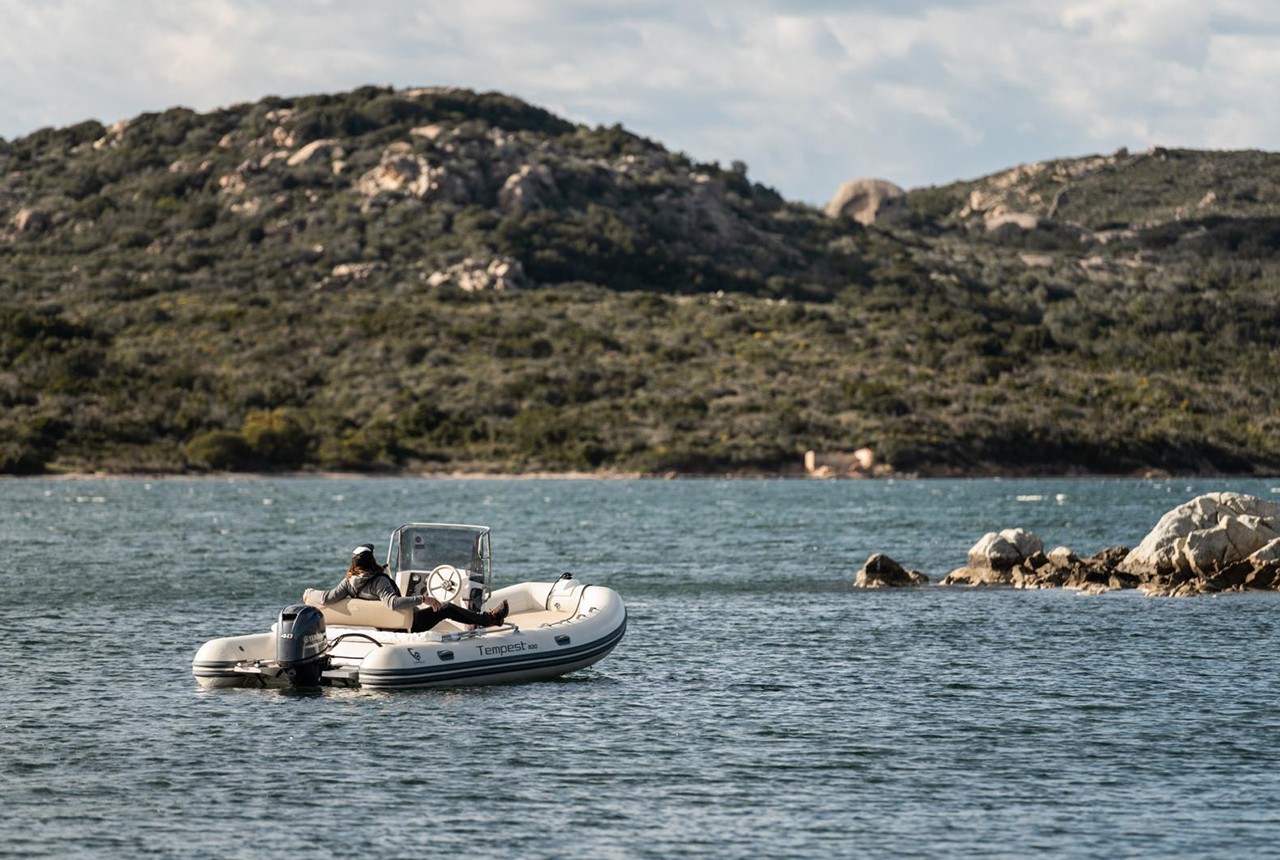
{"points": [[499, 614]]}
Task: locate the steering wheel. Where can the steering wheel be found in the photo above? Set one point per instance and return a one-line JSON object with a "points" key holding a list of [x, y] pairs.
{"points": [[445, 583]]}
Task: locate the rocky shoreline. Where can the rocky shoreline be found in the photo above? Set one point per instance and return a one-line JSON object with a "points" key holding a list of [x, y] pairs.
{"points": [[1215, 543]]}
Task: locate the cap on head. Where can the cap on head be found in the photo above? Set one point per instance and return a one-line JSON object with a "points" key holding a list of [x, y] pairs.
{"points": [[363, 548]]}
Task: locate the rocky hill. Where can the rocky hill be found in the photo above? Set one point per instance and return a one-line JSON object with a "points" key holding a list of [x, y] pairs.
{"points": [[419, 187], [439, 279], [1105, 198]]}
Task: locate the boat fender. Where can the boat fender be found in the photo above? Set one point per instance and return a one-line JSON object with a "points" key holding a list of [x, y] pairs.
{"points": [[302, 648]]}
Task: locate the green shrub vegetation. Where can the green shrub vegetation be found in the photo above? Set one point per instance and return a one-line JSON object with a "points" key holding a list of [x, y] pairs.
{"points": [[313, 283]]}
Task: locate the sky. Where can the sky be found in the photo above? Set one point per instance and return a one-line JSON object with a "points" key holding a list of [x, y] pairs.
{"points": [[807, 94]]}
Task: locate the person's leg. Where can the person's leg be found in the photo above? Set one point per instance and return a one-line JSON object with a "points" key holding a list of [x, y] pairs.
{"points": [[465, 616], [425, 619]]}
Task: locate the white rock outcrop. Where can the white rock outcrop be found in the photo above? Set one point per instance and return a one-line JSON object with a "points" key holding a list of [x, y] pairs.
{"points": [[1004, 549], [865, 200], [1207, 533], [1062, 556], [472, 276], [30, 221], [531, 187], [400, 169], [1021, 220], [315, 149]]}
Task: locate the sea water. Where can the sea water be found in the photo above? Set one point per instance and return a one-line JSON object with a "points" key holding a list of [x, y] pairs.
{"points": [[757, 707]]}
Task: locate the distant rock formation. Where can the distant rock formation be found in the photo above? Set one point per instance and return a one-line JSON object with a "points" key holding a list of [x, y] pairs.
{"points": [[1214, 543], [532, 186], [30, 221], [401, 169], [865, 200], [861, 463], [880, 571], [1205, 534], [993, 559], [1021, 220], [498, 275], [1032, 191], [315, 150], [1016, 557]]}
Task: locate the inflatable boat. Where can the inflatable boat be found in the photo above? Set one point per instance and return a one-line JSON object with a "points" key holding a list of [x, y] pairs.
{"points": [[552, 627]]}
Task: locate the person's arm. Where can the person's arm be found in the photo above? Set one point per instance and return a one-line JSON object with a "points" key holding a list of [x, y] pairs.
{"points": [[387, 592], [339, 591]]}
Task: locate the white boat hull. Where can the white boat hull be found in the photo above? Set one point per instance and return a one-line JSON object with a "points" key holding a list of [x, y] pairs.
{"points": [[552, 629]]}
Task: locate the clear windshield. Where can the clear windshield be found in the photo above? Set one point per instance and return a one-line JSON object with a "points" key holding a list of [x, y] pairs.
{"points": [[419, 548]]}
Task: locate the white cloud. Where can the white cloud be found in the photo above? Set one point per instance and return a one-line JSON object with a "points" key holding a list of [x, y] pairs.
{"points": [[807, 93], [1170, 30]]}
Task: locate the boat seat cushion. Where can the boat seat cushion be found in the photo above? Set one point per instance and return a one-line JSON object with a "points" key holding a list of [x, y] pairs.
{"points": [[354, 612]]}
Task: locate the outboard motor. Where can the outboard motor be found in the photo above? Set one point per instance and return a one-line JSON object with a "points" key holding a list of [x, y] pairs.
{"points": [[302, 648]]}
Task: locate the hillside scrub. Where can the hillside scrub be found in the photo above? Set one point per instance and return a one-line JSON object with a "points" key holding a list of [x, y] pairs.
{"points": [[440, 280]]}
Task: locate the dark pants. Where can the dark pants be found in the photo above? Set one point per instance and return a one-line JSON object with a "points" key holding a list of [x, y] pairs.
{"points": [[425, 619]]}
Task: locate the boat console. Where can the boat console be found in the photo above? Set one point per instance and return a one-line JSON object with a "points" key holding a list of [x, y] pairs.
{"points": [[452, 563]]}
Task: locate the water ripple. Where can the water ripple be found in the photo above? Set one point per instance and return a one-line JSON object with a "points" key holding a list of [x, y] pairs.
{"points": [[757, 706]]}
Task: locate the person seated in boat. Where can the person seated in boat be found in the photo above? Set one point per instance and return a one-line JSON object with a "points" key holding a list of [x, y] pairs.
{"points": [[368, 580]]}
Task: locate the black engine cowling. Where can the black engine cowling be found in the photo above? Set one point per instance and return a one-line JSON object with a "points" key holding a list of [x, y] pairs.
{"points": [[302, 647]]}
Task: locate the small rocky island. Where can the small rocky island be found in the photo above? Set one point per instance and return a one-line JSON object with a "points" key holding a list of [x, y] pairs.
{"points": [[1218, 542]]}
